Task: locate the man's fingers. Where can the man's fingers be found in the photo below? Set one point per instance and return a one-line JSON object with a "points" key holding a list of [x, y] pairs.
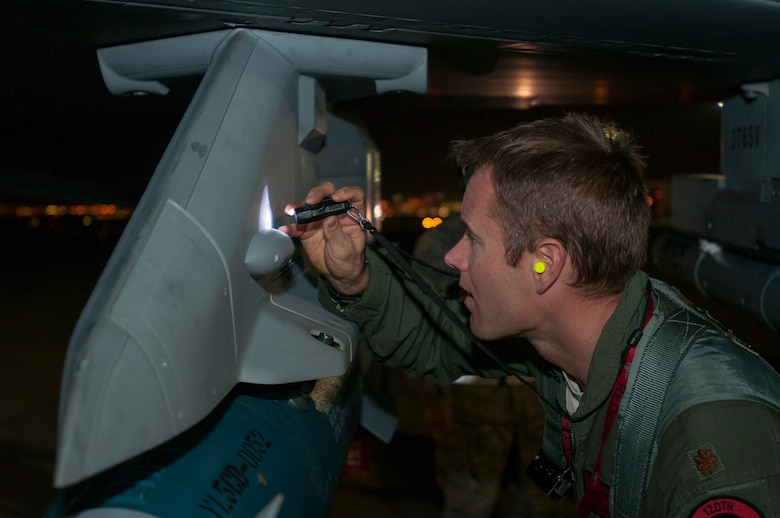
{"points": [[319, 192]]}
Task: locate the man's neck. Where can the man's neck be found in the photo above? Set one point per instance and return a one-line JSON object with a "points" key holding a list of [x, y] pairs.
{"points": [[569, 338]]}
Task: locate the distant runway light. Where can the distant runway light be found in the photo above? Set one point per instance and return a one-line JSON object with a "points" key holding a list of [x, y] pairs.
{"points": [[431, 222]]}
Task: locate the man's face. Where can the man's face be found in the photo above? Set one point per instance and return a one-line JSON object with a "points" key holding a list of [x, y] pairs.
{"points": [[497, 293]]}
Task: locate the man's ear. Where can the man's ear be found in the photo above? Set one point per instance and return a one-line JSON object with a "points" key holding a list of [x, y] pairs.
{"points": [[549, 260]]}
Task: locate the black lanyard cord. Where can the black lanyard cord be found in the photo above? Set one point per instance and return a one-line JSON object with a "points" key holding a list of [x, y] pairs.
{"points": [[399, 260]]}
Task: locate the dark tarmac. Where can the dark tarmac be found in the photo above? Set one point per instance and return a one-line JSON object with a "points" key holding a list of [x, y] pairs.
{"points": [[46, 276]]}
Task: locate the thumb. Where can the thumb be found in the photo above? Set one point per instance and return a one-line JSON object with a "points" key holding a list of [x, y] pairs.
{"points": [[338, 243]]}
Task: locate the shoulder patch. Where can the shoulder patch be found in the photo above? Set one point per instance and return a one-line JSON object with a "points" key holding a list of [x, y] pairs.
{"points": [[705, 460], [726, 507]]}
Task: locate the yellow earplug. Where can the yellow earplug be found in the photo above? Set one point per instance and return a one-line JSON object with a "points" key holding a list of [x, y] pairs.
{"points": [[540, 266]]}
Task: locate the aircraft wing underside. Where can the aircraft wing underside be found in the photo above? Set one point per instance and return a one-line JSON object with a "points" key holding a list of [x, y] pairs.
{"points": [[550, 53]]}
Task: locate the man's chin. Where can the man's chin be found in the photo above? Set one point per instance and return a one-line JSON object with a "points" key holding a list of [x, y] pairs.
{"points": [[479, 330]]}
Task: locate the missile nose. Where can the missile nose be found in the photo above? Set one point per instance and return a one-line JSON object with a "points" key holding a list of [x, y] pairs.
{"points": [[269, 250]]}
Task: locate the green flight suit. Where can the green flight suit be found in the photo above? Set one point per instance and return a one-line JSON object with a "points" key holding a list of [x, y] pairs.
{"points": [[714, 458]]}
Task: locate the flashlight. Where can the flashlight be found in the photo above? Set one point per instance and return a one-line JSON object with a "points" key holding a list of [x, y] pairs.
{"points": [[317, 211]]}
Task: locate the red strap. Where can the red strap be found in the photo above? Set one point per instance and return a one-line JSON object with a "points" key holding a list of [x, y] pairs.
{"points": [[596, 498]]}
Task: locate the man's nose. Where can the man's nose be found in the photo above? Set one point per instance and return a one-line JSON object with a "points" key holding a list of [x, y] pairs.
{"points": [[455, 257]]}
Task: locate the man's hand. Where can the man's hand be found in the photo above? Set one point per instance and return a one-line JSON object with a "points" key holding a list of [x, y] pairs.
{"points": [[335, 245]]}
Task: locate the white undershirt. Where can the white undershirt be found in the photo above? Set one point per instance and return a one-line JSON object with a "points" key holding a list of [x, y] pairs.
{"points": [[573, 394]]}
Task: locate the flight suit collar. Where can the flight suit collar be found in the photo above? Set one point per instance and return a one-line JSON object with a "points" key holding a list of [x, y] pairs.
{"points": [[607, 357]]}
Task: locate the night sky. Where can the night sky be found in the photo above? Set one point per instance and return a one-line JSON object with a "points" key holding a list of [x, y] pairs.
{"points": [[62, 132], [414, 137], [113, 153]]}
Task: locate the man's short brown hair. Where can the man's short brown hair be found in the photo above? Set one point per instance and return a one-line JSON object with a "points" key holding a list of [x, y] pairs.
{"points": [[576, 179]]}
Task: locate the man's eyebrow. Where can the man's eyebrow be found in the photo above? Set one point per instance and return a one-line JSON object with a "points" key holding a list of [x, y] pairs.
{"points": [[461, 221], [466, 227]]}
